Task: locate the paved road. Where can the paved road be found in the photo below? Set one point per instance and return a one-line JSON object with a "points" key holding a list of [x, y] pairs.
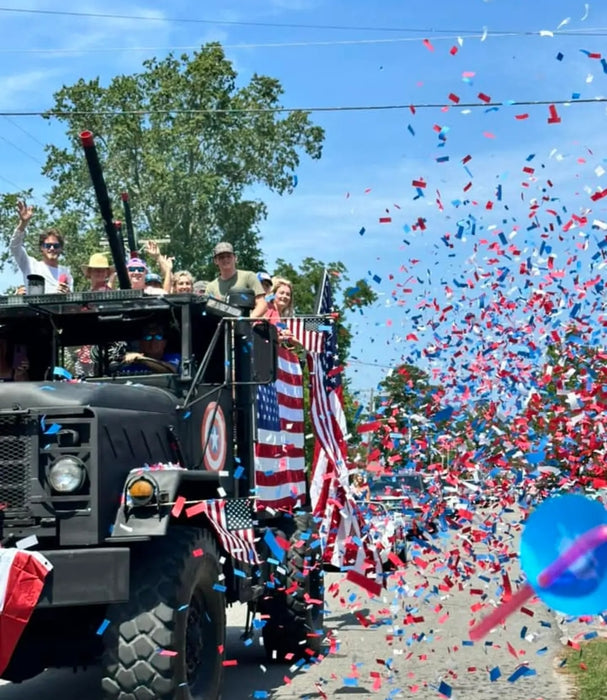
{"points": [[406, 643]]}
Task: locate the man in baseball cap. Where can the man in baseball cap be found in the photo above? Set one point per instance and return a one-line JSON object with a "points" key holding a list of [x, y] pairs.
{"points": [[225, 259]]}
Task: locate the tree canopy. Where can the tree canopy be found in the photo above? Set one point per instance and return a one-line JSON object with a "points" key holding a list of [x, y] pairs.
{"points": [[187, 142]]}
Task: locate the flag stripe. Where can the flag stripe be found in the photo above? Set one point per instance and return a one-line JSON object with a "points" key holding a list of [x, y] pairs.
{"points": [[280, 480]]}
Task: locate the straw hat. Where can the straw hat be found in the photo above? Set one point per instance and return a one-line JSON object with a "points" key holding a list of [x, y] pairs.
{"points": [[97, 261]]}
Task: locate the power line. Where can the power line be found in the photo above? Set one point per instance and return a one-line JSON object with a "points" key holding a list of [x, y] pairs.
{"points": [[277, 110], [425, 31]]}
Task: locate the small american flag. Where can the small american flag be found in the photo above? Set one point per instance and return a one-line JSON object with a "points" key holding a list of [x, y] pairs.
{"points": [[232, 521], [306, 331], [279, 451]]}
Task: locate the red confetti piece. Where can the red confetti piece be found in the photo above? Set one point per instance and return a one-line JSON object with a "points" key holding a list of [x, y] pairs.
{"points": [[368, 584], [178, 506], [453, 50], [428, 45], [418, 183], [554, 117], [454, 98], [525, 115], [230, 662], [483, 97], [385, 219]]}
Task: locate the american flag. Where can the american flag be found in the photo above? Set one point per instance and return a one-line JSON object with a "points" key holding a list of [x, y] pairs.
{"points": [[330, 492], [232, 521], [280, 478], [306, 331]]}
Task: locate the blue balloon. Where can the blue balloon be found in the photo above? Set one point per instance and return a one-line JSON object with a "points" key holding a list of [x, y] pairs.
{"points": [[549, 532]]}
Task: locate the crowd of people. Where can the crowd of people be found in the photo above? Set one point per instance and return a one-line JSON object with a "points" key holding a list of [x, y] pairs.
{"points": [[273, 295]]}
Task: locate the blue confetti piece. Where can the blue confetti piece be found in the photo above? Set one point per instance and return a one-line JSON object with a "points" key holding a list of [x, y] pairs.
{"points": [[238, 472], [295, 180], [260, 694], [275, 548], [219, 587], [53, 429], [377, 279], [494, 674], [410, 130], [445, 689], [239, 572], [61, 372], [102, 627], [362, 231], [559, 56]]}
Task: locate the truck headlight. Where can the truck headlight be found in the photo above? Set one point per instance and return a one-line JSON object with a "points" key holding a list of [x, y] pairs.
{"points": [[67, 474]]}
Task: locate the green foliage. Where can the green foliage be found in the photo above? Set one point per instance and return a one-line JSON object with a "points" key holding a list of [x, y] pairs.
{"points": [[164, 135]]}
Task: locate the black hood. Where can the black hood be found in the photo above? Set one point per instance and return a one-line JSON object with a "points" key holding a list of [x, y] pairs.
{"points": [[103, 395]]}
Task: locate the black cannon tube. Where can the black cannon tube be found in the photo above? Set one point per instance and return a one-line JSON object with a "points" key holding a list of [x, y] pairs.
{"points": [[103, 200], [130, 231]]}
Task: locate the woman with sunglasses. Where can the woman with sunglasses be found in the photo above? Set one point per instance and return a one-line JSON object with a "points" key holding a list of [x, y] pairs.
{"points": [[57, 278]]}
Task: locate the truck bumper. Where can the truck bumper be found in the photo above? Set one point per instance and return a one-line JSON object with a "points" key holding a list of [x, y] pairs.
{"points": [[86, 577]]}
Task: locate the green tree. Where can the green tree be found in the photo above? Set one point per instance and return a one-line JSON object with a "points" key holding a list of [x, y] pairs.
{"points": [[186, 141]]}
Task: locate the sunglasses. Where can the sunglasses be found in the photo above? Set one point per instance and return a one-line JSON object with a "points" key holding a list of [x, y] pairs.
{"points": [[52, 246], [136, 269], [153, 336]]}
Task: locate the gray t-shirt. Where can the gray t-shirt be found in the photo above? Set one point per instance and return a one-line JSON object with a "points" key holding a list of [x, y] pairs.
{"points": [[246, 279]]}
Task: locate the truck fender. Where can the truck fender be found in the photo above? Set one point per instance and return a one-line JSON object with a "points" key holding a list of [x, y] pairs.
{"points": [[143, 517]]}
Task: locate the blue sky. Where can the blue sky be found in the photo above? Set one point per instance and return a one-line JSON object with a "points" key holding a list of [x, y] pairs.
{"points": [[371, 157]]}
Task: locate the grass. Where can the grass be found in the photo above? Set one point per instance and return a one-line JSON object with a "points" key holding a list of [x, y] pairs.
{"points": [[587, 667]]}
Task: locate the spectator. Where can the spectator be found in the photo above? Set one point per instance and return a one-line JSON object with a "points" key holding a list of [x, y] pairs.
{"points": [[280, 305], [151, 356], [282, 291], [229, 277], [360, 488], [183, 282], [266, 281], [153, 280], [200, 287], [98, 272], [57, 278], [137, 270]]}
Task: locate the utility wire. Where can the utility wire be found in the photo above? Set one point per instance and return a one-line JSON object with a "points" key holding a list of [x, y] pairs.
{"points": [[277, 110], [284, 25]]}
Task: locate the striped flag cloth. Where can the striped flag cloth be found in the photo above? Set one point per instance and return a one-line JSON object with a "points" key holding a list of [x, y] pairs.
{"points": [[232, 521], [22, 576], [306, 331], [280, 478], [330, 492]]}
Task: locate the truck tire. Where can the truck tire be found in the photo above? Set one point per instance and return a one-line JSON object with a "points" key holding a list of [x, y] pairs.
{"points": [[295, 618], [174, 608]]}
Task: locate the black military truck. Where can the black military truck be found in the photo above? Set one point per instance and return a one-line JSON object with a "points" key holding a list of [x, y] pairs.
{"points": [[139, 488], [97, 467]]}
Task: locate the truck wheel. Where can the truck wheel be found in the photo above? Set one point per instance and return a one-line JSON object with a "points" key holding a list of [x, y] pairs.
{"points": [[295, 617], [167, 641]]}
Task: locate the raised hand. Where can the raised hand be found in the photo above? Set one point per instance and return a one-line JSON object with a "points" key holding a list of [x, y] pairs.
{"points": [[25, 213]]}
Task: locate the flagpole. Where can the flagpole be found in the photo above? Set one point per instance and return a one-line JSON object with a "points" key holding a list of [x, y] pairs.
{"points": [[319, 292]]}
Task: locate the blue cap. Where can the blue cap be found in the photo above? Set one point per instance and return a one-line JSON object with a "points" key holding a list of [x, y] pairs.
{"points": [[153, 278]]}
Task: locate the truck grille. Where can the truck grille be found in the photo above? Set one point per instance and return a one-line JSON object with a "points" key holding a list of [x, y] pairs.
{"points": [[16, 438]]}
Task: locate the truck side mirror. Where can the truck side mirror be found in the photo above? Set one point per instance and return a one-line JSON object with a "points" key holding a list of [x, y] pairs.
{"points": [[265, 352]]}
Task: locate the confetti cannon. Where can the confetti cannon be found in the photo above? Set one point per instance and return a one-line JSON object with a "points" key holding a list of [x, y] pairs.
{"points": [[103, 200], [564, 559]]}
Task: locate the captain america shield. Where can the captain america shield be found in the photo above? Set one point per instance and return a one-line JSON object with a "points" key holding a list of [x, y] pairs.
{"points": [[213, 436]]}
